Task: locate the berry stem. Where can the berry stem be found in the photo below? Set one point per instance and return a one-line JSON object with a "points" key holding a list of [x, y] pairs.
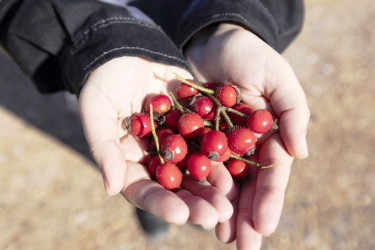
{"points": [[178, 105], [154, 135], [217, 119], [252, 162], [237, 112], [196, 86], [227, 119]]}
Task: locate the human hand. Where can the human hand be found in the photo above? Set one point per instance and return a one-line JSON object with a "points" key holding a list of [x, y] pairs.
{"points": [[115, 91], [229, 53]]}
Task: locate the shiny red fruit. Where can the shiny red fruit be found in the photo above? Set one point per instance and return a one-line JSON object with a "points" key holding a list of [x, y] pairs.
{"points": [[138, 124], [169, 176], [240, 140], [260, 121], [225, 156], [237, 168], [237, 119], [190, 125], [214, 144], [199, 165], [185, 91], [202, 105], [227, 95], [153, 164], [161, 104], [171, 119], [174, 148]]}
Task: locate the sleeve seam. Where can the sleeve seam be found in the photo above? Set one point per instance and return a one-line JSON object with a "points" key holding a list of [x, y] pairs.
{"points": [[131, 48]]}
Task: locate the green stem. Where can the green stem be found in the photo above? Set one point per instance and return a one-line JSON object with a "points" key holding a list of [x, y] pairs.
{"points": [[252, 162], [196, 86], [236, 112], [227, 119], [217, 119], [154, 135], [178, 105]]}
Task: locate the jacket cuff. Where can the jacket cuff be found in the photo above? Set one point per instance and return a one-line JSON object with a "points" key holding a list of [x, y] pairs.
{"points": [[115, 37], [59, 43], [277, 23]]}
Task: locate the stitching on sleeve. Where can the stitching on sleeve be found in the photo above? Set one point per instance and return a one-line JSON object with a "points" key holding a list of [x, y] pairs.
{"points": [[132, 48], [109, 21]]}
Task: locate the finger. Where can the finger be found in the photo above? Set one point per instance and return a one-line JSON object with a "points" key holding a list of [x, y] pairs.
{"points": [[101, 133], [288, 100], [271, 185], [221, 179], [246, 235], [150, 196], [226, 231], [201, 212], [211, 194]]}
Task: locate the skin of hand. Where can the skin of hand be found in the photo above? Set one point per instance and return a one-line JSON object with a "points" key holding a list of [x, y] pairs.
{"points": [[116, 90], [225, 53]]}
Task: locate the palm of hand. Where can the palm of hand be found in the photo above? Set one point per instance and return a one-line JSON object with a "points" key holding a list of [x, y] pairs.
{"points": [[232, 54], [116, 90]]}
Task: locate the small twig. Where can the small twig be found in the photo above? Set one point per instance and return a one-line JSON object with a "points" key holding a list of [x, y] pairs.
{"points": [[200, 88], [154, 135]]}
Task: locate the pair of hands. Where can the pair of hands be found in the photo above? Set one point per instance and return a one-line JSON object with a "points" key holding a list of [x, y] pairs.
{"points": [[241, 211]]}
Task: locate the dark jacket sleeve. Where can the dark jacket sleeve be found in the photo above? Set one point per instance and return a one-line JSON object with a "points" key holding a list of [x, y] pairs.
{"points": [[277, 22], [57, 43]]}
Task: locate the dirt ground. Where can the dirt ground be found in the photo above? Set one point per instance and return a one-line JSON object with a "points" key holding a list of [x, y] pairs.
{"points": [[51, 192]]}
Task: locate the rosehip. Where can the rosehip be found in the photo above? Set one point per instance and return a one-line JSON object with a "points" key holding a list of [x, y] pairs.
{"points": [[153, 165], [190, 125], [227, 95], [138, 124], [185, 91], [237, 168], [210, 85], [260, 121], [174, 148], [225, 156], [169, 176], [199, 165], [214, 144], [161, 104], [239, 120], [240, 140], [202, 105], [171, 119]]}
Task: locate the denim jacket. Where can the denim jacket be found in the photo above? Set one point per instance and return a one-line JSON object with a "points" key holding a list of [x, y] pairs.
{"points": [[58, 43]]}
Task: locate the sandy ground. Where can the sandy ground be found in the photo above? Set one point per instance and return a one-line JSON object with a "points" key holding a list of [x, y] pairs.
{"points": [[51, 192]]}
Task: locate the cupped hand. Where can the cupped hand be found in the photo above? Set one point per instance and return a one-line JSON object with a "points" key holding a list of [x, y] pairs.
{"points": [[229, 53], [116, 90]]}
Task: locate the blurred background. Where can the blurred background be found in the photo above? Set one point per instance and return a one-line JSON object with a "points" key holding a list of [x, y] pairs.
{"points": [[51, 194]]}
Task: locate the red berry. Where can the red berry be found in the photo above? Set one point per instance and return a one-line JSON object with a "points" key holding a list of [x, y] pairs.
{"points": [[240, 140], [174, 148], [185, 91], [202, 105], [169, 176], [237, 168], [161, 104], [211, 115], [239, 120], [214, 144], [260, 121], [190, 125], [225, 156], [227, 95], [171, 119], [153, 165], [138, 124], [210, 85], [199, 165]]}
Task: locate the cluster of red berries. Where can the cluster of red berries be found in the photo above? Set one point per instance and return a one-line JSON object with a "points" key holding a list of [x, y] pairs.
{"points": [[205, 123]]}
